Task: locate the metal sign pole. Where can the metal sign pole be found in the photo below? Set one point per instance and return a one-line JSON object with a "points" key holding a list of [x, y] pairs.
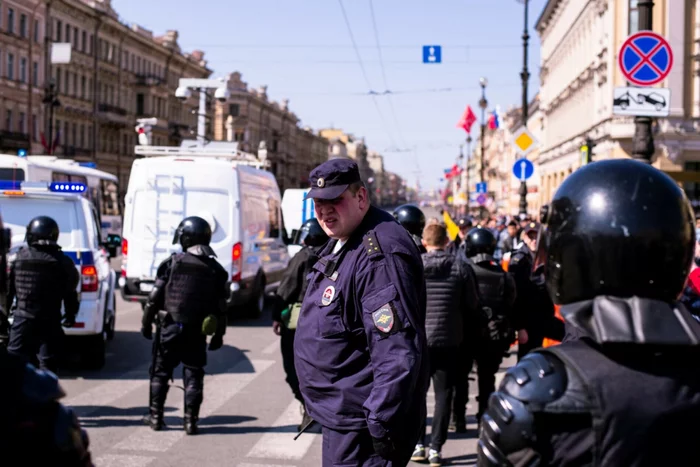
{"points": [[643, 143]]}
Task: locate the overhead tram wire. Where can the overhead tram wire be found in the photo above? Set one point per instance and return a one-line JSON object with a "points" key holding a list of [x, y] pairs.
{"points": [[364, 74], [386, 84]]}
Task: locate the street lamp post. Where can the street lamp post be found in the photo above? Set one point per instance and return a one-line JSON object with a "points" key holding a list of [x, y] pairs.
{"points": [[524, 76], [643, 144], [51, 100], [221, 94], [483, 103], [466, 169]]}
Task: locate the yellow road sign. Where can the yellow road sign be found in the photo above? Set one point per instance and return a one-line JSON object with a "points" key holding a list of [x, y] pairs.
{"points": [[524, 141]]}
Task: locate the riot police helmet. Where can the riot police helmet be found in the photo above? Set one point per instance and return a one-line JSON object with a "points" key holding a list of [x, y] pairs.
{"points": [[620, 228], [311, 234], [42, 230], [192, 231], [411, 218], [480, 240]]}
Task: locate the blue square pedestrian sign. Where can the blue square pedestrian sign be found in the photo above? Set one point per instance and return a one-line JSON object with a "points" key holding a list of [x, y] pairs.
{"points": [[432, 54], [481, 187]]}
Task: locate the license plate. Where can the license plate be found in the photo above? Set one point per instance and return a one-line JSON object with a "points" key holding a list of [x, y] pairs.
{"points": [[145, 287]]}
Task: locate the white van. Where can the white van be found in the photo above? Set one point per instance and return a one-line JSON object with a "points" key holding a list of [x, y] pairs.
{"points": [[229, 189], [296, 210]]}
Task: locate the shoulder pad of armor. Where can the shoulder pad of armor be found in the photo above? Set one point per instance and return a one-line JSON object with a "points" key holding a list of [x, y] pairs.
{"points": [[41, 385], [508, 425], [538, 379], [370, 244]]}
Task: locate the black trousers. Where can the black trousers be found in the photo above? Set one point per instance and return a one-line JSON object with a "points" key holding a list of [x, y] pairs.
{"points": [[179, 343], [31, 338], [355, 449], [443, 370], [488, 356], [287, 346]]}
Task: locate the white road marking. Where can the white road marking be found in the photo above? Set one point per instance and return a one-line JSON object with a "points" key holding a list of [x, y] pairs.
{"points": [[280, 444], [118, 460], [217, 390], [273, 347], [106, 393]]}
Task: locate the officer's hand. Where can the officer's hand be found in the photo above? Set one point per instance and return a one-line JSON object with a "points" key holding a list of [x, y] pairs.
{"points": [[277, 327], [522, 336], [216, 342], [68, 321], [147, 332], [384, 448]]}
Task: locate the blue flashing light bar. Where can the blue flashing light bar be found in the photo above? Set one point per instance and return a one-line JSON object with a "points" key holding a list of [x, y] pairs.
{"points": [[91, 165], [10, 184], [68, 187]]}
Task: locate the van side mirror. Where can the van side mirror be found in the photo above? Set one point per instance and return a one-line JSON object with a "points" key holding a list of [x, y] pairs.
{"points": [[112, 244], [114, 240]]}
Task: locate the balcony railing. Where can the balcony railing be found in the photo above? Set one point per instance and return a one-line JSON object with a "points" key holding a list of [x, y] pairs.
{"points": [[148, 80], [14, 139], [107, 108]]}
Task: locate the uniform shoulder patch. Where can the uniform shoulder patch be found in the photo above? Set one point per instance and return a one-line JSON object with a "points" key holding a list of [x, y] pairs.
{"points": [[371, 244], [384, 318]]}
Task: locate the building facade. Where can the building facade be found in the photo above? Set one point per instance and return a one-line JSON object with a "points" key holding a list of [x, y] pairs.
{"points": [[22, 28], [116, 74], [580, 43]]}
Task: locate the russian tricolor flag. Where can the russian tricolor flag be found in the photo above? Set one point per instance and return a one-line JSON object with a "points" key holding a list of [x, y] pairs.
{"points": [[494, 120]]}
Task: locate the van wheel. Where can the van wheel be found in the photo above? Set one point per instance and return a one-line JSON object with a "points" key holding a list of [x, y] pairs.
{"points": [[94, 352], [257, 301]]}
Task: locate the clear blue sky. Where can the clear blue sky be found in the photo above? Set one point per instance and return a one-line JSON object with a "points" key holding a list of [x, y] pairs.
{"points": [[302, 50]]}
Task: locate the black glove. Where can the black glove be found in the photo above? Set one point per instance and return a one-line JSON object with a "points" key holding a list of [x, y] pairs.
{"points": [[384, 447], [147, 332], [216, 342], [68, 321]]}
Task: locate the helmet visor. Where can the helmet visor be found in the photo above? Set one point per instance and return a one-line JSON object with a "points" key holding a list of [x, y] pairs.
{"points": [[541, 250]]}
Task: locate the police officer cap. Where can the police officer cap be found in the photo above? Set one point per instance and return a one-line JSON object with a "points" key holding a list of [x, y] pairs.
{"points": [[620, 228], [411, 218], [42, 230], [311, 234], [464, 222], [531, 227], [330, 179], [480, 240], [192, 231]]}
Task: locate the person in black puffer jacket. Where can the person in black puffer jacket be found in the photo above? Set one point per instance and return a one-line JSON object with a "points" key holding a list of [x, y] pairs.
{"points": [[452, 304]]}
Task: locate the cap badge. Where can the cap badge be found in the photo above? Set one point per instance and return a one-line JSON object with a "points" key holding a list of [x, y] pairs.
{"points": [[320, 182]]}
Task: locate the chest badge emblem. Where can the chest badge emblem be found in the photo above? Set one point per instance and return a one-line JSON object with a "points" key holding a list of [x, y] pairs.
{"points": [[328, 295]]}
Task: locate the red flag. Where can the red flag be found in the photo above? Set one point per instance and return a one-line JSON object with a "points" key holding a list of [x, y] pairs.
{"points": [[467, 120], [55, 141], [43, 143]]}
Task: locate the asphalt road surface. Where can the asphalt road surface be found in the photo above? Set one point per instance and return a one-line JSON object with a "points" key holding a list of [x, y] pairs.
{"points": [[248, 418]]}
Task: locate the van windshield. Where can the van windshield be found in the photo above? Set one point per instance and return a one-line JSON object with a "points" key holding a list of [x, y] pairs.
{"points": [[18, 211]]}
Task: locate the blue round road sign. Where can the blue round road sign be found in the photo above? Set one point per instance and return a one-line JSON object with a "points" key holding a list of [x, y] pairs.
{"points": [[481, 199], [523, 169], [645, 58]]}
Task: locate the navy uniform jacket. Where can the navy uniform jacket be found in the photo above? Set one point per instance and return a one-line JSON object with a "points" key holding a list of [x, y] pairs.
{"points": [[360, 346]]}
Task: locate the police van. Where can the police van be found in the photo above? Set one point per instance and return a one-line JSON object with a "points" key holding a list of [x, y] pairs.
{"points": [[80, 240], [228, 188]]}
